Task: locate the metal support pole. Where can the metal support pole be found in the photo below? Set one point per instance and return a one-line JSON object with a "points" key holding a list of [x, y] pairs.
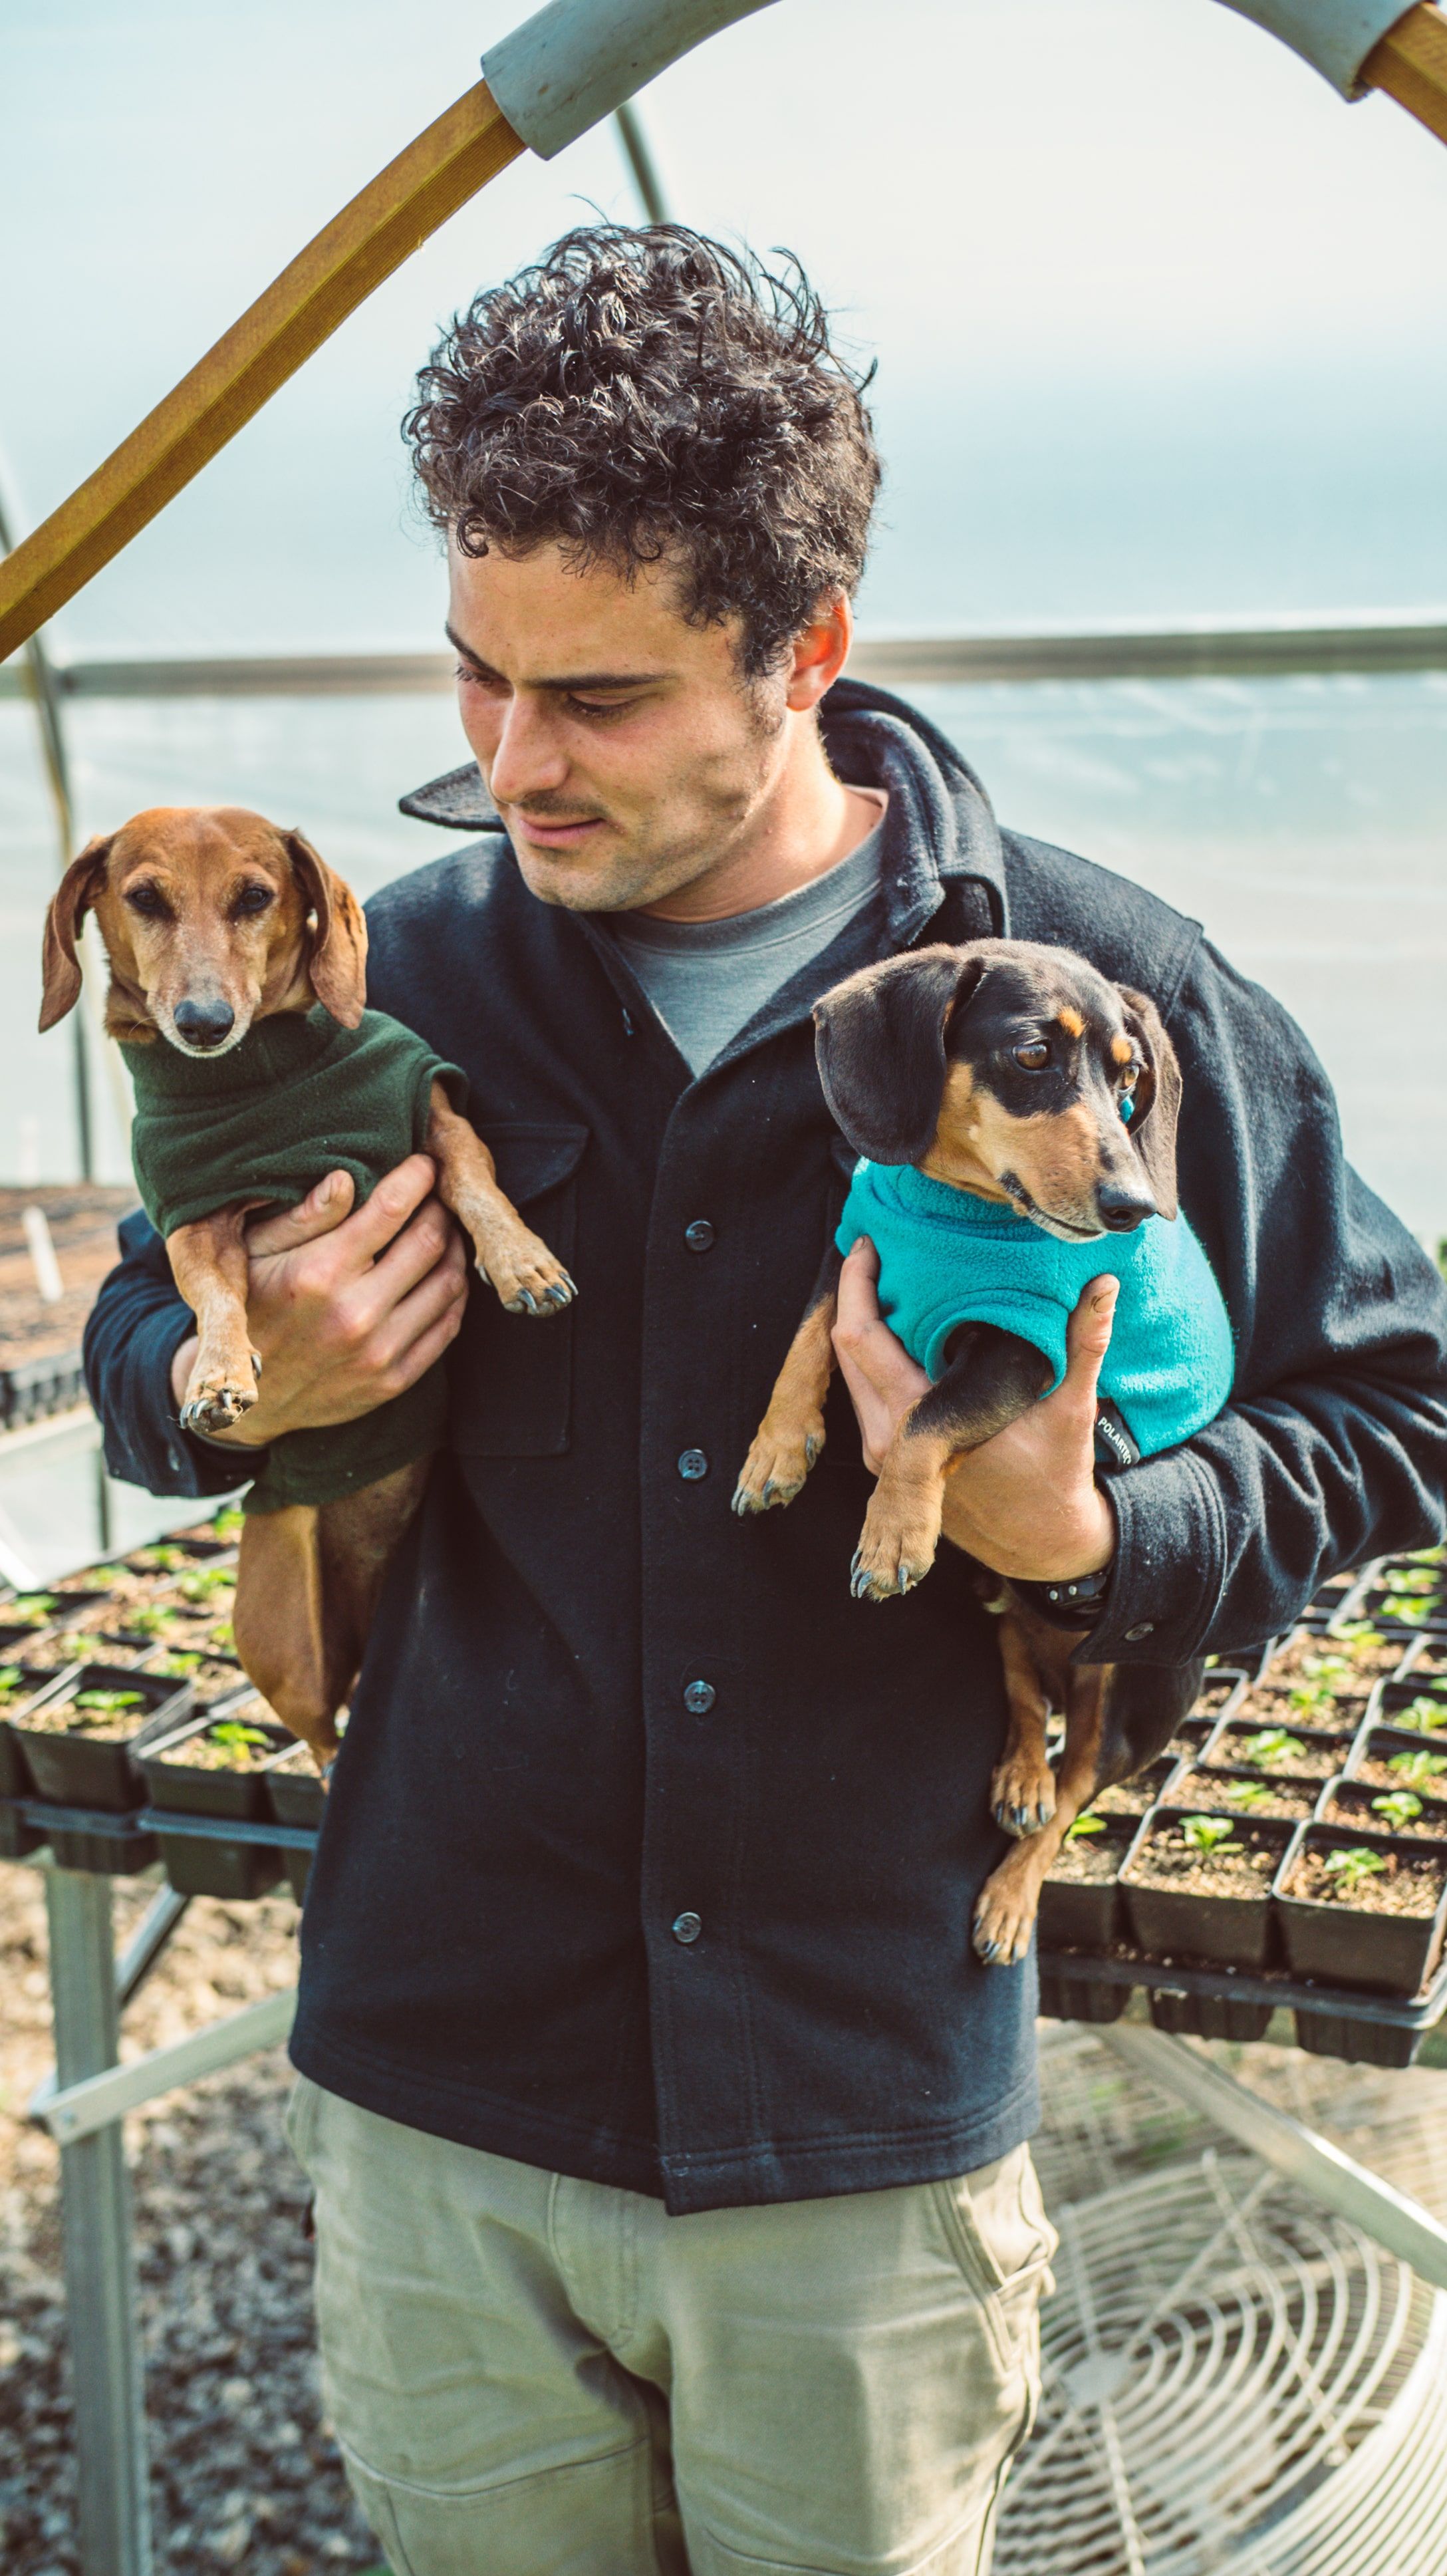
{"points": [[115, 2522], [641, 162], [1382, 2212]]}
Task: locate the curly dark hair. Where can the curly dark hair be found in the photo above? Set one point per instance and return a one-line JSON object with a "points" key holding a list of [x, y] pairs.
{"points": [[642, 396]]}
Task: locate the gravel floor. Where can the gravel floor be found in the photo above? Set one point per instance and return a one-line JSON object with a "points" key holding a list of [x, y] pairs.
{"points": [[244, 2472]]}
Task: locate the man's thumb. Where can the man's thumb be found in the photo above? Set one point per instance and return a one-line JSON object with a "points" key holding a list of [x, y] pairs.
{"points": [[1087, 1335]]}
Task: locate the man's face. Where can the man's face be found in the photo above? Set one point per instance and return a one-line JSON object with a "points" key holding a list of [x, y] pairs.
{"points": [[623, 748]]}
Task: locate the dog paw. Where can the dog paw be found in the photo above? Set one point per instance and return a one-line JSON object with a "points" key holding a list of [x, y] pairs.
{"points": [[528, 1280], [893, 1555], [214, 1402], [1022, 1795], [1004, 1920], [776, 1466]]}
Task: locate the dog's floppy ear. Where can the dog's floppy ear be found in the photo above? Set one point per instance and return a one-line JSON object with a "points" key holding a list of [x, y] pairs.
{"points": [[59, 963], [1157, 1098], [337, 966], [880, 1041]]}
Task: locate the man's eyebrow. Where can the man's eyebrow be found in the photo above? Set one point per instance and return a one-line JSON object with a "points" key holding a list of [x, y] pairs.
{"points": [[570, 681]]}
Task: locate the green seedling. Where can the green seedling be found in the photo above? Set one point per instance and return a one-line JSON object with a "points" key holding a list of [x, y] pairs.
{"points": [[1209, 1834], [1418, 1766], [223, 1638], [1399, 1806], [236, 1740], [228, 1524], [1248, 1794], [207, 1581], [1424, 1717], [1272, 1744], [177, 1668], [149, 1623], [1351, 1868], [1410, 1580], [110, 1700], [1427, 1555], [29, 1606], [1085, 1826], [1359, 1632], [10, 1681]]}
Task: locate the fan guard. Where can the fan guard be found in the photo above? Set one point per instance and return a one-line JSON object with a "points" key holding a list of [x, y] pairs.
{"points": [[1234, 2379]]}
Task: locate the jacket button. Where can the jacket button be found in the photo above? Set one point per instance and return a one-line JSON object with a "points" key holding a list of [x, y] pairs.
{"points": [[699, 1698], [699, 1236], [692, 1465], [687, 1927], [1147, 1628]]}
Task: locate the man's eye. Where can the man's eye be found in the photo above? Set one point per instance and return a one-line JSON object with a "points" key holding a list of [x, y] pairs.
{"points": [[600, 708], [250, 901], [149, 902], [1034, 1057]]}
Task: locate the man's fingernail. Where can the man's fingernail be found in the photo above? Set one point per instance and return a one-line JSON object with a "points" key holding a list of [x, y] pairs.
{"points": [[858, 1245]]}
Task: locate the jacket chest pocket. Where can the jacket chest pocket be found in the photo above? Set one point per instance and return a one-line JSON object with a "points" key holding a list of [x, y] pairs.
{"points": [[510, 1377]]}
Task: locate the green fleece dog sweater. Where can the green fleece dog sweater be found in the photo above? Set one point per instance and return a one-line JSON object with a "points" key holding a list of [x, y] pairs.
{"points": [[948, 1258], [298, 1098]]}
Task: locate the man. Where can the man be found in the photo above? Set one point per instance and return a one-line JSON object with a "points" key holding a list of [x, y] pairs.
{"points": [[674, 2209]]}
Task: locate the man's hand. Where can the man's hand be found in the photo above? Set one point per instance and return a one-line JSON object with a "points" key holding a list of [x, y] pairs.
{"points": [[346, 1309], [1027, 1503]]}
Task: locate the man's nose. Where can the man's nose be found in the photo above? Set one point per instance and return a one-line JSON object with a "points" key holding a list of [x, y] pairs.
{"points": [[528, 760], [204, 1024], [1122, 1205]]}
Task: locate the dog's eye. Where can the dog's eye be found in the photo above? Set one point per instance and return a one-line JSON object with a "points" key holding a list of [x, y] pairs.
{"points": [[149, 902], [251, 900], [1130, 1076], [1034, 1057]]}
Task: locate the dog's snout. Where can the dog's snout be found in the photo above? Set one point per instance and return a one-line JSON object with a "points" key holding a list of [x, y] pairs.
{"points": [[204, 1024], [1123, 1206]]}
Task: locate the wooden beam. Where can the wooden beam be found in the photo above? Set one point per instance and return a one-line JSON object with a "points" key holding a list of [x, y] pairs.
{"points": [[334, 274], [1410, 64]]}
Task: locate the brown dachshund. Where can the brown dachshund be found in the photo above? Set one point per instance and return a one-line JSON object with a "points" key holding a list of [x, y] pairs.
{"points": [[1018, 1075], [214, 920]]}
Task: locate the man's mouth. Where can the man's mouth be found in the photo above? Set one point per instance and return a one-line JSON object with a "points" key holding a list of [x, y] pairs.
{"points": [[553, 832]]}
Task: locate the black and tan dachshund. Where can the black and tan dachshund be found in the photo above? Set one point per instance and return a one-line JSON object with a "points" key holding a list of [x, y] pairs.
{"points": [[1020, 1075]]}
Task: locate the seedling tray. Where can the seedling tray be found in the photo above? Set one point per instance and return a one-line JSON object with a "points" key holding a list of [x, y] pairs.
{"points": [[1174, 1922], [1350, 1945], [93, 1839], [1331, 2021], [15, 1779], [1084, 1913], [76, 1770], [229, 1868]]}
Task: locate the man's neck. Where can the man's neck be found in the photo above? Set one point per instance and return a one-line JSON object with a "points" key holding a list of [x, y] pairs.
{"points": [[809, 823]]}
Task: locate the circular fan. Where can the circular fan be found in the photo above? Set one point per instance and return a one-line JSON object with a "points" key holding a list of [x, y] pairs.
{"points": [[1233, 2379]]}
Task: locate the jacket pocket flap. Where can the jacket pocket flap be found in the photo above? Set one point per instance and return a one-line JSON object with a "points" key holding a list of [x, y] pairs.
{"points": [[532, 1159]]}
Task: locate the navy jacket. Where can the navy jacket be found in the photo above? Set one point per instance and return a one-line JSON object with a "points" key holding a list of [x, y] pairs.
{"points": [[651, 1855]]}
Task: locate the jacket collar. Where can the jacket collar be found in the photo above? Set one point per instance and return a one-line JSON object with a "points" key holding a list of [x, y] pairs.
{"points": [[940, 831]]}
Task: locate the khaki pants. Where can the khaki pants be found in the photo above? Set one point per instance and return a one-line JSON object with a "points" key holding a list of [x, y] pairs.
{"points": [[532, 2376]]}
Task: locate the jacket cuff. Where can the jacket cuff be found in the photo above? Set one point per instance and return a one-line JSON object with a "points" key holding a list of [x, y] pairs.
{"points": [[1170, 1563], [147, 1446]]}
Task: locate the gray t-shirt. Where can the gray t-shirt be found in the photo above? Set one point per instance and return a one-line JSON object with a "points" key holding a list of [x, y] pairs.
{"points": [[706, 979]]}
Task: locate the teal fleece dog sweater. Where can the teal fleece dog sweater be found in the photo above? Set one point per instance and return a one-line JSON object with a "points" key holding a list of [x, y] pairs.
{"points": [[948, 1258]]}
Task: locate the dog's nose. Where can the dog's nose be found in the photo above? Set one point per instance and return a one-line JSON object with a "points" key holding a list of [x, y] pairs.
{"points": [[204, 1024], [1121, 1209]]}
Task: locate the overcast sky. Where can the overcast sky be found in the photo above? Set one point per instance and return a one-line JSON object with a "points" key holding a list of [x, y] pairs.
{"points": [[1160, 322]]}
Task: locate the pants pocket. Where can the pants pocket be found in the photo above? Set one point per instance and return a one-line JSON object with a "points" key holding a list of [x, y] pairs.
{"points": [[996, 2225]]}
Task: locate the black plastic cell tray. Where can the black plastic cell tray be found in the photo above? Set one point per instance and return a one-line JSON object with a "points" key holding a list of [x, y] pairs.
{"points": [[1080, 1967]]}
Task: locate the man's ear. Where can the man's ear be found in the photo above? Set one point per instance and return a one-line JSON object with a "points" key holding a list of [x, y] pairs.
{"points": [[1158, 1100], [880, 1042], [59, 963], [337, 965]]}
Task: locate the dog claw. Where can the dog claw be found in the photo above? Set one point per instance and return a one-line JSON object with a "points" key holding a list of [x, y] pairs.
{"points": [[561, 1293]]}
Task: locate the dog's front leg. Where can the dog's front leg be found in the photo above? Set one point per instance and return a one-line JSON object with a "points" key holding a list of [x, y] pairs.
{"points": [[1010, 1898], [517, 1262], [992, 1378], [791, 1435], [209, 1265]]}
